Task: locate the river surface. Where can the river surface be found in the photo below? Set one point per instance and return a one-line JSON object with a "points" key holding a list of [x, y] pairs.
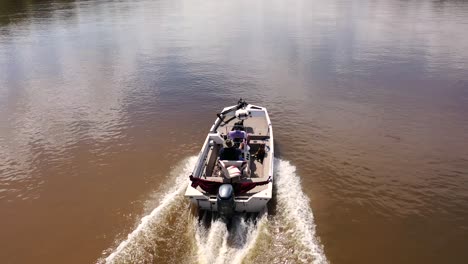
{"points": [[104, 105]]}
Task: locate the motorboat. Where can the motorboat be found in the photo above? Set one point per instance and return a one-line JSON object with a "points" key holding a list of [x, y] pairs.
{"points": [[234, 169]]}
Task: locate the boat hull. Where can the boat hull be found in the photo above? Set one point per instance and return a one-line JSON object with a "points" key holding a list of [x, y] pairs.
{"points": [[250, 205], [260, 131]]}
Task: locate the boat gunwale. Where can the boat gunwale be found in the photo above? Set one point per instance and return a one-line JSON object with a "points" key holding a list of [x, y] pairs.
{"points": [[202, 159]]}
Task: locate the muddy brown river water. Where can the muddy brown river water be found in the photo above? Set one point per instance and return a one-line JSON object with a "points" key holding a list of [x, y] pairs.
{"points": [[104, 104]]}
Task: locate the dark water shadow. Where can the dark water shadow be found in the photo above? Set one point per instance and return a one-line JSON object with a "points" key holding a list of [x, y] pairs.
{"points": [[16, 11]]}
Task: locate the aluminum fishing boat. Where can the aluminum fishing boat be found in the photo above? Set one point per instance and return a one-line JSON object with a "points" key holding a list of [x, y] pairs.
{"points": [[234, 170]]}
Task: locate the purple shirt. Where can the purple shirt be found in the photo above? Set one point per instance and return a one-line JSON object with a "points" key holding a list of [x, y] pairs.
{"points": [[237, 134]]}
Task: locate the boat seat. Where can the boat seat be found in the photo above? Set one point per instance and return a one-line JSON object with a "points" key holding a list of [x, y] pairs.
{"points": [[232, 168]]}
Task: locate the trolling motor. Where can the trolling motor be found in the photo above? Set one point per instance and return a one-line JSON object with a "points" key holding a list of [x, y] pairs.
{"points": [[225, 201], [241, 104]]}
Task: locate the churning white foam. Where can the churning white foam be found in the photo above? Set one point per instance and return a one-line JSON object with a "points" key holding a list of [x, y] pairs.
{"points": [[217, 244], [291, 227], [293, 207], [178, 187]]}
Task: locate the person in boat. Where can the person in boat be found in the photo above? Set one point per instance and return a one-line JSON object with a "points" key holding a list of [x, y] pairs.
{"points": [[237, 134], [229, 151]]}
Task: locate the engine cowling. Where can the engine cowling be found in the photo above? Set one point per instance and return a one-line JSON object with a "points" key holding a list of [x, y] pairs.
{"points": [[225, 200]]}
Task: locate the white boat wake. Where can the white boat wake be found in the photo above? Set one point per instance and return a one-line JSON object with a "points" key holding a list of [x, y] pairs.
{"points": [[170, 233], [217, 244]]}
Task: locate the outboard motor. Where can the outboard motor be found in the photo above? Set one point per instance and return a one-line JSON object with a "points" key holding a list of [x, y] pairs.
{"points": [[225, 200]]}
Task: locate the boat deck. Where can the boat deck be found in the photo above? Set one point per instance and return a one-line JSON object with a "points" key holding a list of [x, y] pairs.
{"points": [[254, 126], [212, 172], [257, 129]]}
